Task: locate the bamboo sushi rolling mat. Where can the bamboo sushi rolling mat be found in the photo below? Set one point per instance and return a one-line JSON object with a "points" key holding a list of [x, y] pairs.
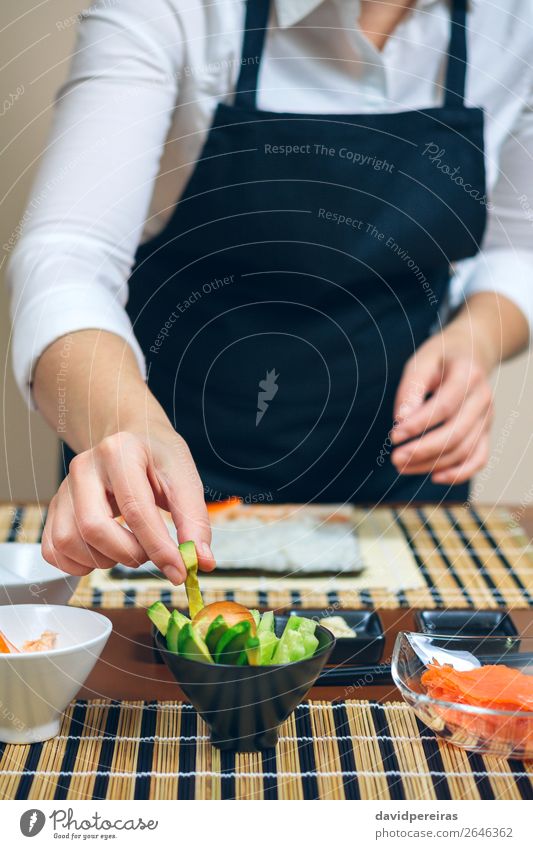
{"points": [[415, 557], [345, 750]]}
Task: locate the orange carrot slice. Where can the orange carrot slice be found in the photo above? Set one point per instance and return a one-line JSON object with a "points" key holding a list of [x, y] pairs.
{"points": [[217, 506], [6, 646]]}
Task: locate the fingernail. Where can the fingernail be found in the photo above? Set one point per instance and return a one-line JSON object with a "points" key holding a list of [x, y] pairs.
{"points": [[205, 550], [173, 574]]}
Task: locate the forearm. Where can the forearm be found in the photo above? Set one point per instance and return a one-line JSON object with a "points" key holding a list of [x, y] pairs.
{"points": [[88, 386], [494, 327]]}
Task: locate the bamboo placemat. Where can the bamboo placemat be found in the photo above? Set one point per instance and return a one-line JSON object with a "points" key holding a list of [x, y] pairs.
{"points": [[416, 557], [346, 750]]}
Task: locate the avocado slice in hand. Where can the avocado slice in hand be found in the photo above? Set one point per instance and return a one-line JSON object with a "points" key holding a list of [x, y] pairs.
{"points": [[192, 587], [159, 616], [232, 643], [192, 646], [176, 622]]}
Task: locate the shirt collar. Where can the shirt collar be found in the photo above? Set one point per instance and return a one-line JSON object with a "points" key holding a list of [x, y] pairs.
{"points": [[289, 12]]}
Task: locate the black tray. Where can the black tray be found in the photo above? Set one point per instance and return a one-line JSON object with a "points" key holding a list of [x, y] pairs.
{"points": [[477, 624], [366, 648], [468, 623]]}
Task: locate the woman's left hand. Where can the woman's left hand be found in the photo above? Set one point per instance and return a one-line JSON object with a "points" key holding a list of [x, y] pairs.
{"points": [[444, 406]]}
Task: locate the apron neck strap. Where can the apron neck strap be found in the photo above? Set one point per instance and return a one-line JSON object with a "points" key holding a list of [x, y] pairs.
{"points": [[256, 24], [454, 84], [255, 28]]}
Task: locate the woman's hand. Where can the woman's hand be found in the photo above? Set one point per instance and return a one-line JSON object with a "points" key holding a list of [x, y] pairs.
{"points": [[131, 475], [443, 409], [450, 429]]}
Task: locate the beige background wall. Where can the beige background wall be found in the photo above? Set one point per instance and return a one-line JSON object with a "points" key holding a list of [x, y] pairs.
{"points": [[36, 39]]}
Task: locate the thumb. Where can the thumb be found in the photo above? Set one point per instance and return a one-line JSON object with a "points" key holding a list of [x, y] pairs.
{"points": [[185, 501], [422, 374]]}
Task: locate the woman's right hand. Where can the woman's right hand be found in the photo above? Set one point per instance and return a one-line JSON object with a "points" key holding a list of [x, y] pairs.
{"points": [[130, 474]]}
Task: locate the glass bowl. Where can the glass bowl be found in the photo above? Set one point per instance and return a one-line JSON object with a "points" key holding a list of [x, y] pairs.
{"points": [[507, 733]]}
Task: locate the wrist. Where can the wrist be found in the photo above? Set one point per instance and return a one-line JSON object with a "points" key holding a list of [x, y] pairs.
{"points": [[469, 334], [140, 414]]}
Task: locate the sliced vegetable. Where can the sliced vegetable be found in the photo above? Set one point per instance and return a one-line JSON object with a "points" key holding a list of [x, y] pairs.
{"points": [[497, 686], [217, 628], [159, 615], [310, 644], [267, 646], [217, 506], [192, 646], [301, 623], [192, 587], [230, 610], [267, 622], [227, 632], [253, 651], [232, 643], [297, 642], [6, 646], [176, 622]]}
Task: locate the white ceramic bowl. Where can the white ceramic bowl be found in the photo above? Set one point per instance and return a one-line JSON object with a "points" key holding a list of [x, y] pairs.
{"points": [[36, 687], [26, 577]]}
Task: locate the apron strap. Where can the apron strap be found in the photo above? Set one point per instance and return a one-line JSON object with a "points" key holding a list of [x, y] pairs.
{"points": [[454, 84], [255, 28]]}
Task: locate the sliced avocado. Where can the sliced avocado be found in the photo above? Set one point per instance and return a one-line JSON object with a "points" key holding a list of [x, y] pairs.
{"points": [[159, 615], [267, 622], [191, 646], [257, 617], [232, 643], [175, 623], [253, 651], [192, 587], [217, 627]]}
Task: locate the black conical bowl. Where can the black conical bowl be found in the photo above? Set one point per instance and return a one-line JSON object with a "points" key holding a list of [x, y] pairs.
{"points": [[245, 705]]}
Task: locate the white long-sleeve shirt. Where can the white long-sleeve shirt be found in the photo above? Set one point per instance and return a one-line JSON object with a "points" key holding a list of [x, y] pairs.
{"points": [[134, 112]]}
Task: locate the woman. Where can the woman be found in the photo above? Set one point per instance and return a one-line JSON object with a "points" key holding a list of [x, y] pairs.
{"points": [[333, 249]]}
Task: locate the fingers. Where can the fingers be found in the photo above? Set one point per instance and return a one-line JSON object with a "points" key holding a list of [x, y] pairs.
{"points": [[107, 541], [450, 443], [421, 375], [459, 380], [126, 469], [185, 498], [55, 556], [464, 471]]}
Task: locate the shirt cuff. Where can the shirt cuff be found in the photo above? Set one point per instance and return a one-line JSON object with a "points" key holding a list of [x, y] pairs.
{"points": [[500, 270], [65, 311]]}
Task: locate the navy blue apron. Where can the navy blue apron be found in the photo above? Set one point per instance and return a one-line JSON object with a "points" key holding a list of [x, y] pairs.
{"points": [[304, 264]]}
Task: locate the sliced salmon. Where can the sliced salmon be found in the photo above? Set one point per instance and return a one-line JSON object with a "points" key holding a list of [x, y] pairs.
{"points": [[499, 686]]}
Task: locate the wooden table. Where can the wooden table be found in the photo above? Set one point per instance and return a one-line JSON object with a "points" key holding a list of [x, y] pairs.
{"points": [[127, 669]]}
